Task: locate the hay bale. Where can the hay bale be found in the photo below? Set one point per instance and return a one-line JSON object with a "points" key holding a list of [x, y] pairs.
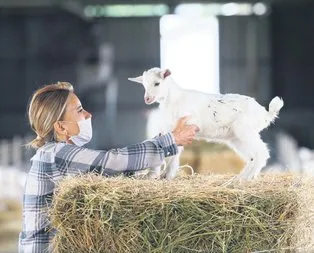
{"points": [[195, 214]]}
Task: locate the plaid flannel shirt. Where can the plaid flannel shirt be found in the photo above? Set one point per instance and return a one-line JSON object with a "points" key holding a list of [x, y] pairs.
{"points": [[54, 161]]}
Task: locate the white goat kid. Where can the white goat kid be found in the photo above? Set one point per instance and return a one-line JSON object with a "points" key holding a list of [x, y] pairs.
{"points": [[232, 119]]}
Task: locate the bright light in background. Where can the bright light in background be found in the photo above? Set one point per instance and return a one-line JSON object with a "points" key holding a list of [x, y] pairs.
{"points": [[198, 9], [190, 9], [225, 9], [259, 9], [126, 10], [229, 9]]}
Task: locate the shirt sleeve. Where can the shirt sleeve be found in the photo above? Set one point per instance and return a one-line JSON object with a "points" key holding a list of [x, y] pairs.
{"points": [[72, 160]]}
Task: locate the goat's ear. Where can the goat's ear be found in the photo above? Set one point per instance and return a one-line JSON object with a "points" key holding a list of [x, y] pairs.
{"points": [[138, 79], [164, 73]]}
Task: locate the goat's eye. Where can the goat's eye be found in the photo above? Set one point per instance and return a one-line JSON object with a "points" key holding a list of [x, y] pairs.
{"points": [[156, 84]]}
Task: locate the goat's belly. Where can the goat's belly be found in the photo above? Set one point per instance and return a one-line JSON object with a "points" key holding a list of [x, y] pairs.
{"points": [[214, 131]]}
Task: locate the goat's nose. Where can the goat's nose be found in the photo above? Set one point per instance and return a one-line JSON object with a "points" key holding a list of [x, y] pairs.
{"points": [[149, 99]]}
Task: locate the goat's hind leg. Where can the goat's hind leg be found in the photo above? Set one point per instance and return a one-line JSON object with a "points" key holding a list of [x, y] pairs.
{"points": [[255, 153]]}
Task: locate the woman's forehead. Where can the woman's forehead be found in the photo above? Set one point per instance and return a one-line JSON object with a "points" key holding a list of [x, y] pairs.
{"points": [[73, 101]]}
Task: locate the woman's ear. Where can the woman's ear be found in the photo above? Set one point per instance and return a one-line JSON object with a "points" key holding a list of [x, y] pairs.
{"points": [[59, 129]]}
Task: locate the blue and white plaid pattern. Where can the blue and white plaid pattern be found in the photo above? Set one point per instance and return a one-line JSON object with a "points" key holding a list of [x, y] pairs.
{"points": [[54, 161]]}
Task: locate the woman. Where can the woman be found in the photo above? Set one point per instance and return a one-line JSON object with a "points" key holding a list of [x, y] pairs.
{"points": [[62, 127]]}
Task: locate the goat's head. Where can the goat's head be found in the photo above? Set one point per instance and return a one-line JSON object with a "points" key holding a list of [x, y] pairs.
{"points": [[153, 80]]}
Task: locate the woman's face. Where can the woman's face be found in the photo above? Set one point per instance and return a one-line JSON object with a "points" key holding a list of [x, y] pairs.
{"points": [[73, 112]]}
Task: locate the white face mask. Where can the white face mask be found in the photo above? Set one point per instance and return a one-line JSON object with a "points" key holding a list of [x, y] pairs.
{"points": [[85, 134]]}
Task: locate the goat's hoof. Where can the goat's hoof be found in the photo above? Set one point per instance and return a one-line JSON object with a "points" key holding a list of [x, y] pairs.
{"points": [[229, 182], [244, 178], [165, 177], [153, 176], [235, 180], [169, 177]]}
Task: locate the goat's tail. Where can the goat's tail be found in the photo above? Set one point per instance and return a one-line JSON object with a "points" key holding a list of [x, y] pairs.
{"points": [[274, 107]]}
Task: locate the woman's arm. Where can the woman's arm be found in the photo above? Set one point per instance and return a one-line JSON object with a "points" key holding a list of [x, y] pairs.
{"points": [[72, 160]]}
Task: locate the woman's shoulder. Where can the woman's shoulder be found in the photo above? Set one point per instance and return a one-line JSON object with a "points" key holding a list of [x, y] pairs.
{"points": [[48, 150], [52, 147]]}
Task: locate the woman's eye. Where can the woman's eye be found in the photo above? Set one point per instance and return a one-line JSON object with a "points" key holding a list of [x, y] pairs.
{"points": [[156, 84], [81, 110]]}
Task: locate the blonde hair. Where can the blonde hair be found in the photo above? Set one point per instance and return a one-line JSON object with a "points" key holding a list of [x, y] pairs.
{"points": [[46, 107]]}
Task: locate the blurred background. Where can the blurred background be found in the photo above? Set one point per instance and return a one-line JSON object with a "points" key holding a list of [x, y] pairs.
{"points": [[260, 49]]}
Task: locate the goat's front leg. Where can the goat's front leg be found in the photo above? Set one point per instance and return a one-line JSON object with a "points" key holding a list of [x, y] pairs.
{"points": [[173, 165], [154, 173]]}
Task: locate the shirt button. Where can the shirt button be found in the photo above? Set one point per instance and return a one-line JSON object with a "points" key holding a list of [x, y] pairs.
{"points": [[168, 153]]}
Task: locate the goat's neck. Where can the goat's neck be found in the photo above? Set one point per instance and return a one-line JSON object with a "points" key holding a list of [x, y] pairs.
{"points": [[174, 94]]}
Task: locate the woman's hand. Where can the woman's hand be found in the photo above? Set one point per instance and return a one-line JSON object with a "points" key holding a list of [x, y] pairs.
{"points": [[184, 134]]}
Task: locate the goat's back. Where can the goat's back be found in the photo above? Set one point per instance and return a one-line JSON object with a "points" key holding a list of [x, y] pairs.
{"points": [[213, 111]]}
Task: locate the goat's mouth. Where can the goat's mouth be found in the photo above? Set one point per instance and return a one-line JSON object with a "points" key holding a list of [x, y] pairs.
{"points": [[149, 100]]}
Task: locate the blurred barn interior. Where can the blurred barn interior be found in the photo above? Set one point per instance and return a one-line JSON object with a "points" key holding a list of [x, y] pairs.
{"points": [[261, 49]]}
